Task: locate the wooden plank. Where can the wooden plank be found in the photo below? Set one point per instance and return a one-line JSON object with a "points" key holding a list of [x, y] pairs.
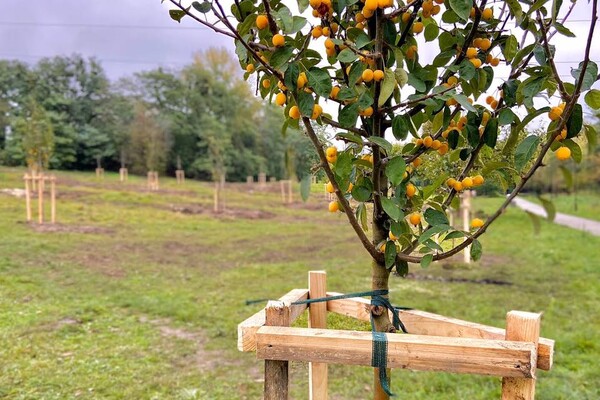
{"points": [[277, 313], [525, 327], [247, 329], [425, 323], [317, 372], [415, 352], [27, 178]]}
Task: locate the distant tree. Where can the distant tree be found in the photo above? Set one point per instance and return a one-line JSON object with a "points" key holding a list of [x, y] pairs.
{"points": [[34, 130], [149, 143]]}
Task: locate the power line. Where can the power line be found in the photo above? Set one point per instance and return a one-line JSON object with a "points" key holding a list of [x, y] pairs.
{"points": [[100, 26], [106, 60]]}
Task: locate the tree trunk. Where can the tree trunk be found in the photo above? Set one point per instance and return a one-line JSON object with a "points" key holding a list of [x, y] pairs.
{"points": [[380, 281]]}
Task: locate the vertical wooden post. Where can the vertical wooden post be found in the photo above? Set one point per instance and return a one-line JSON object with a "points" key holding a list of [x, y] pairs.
{"points": [[466, 210], [277, 313], [317, 372], [523, 327], [40, 183], [52, 199], [282, 186], [290, 200], [27, 178]]}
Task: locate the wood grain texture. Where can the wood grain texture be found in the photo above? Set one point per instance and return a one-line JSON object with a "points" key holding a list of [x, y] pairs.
{"points": [[524, 327], [415, 352], [425, 323], [247, 328], [317, 372], [277, 314]]}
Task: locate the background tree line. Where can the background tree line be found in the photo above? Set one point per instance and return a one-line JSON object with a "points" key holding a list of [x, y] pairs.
{"points": [[203, 117]]}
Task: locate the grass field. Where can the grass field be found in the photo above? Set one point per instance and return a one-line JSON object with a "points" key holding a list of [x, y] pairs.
{"points": [[583, 204], [136, 295]]}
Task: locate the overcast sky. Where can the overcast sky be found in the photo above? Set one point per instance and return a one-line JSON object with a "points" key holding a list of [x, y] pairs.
{"points": [[132, 35]]}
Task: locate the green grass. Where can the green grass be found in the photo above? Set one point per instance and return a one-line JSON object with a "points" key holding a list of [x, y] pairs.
{"points": [[146, 306], [582, 204]]}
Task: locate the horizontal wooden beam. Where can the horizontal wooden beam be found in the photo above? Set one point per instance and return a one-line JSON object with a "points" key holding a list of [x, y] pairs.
{"points": [[414, 352], [247, 329], [424, 323]]}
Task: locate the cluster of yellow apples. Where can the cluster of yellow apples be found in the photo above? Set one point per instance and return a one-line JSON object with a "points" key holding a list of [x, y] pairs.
{"points": [[466, 183]]}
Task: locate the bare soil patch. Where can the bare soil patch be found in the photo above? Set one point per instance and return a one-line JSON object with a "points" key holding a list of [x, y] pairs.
{"points": [[228, 213], [484, 281], [64, 228]]}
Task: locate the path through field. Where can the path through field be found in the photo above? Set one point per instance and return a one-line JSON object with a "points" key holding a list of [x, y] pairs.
{"points": [[583, 224]]}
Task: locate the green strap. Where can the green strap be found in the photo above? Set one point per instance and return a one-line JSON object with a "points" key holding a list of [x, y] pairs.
{"points": [[379, 359]]}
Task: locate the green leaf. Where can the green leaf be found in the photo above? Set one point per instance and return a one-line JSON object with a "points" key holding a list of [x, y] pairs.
{"points": [[431, 32], [515, 9], [525, 151], [426, 260], [430, 189], [476, 250], [361, 193], [400, 126], [291, 75], [567, 176], [387, 86], [454, 235], [548, 207], [592, 99], [306, 103], [320, 81], [511, 46], [361, 215], [415, 82], [590, 76], [348, 115], [305, 185], [575, 121], [347, 56], [297, 24], [576, 153], [391, 209], [435, 217], [506, 117], [434, 230], [535, 220], [402, 268], [592, 137], [464, 102], [492, 166], [281, 56], [556, 4], [563, 30], [303, 5], [467, 70], [382, 143], [390, 254], [395, 169], [401, 76], [359, 37], [462, 8], [352, 137], [177, 15], [490, 134], [203, 7]]}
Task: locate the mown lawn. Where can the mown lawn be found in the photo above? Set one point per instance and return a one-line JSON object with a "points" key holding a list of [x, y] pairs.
{"points": [[136, 295]]}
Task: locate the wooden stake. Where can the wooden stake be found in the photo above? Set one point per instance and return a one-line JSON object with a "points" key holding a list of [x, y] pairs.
{"points": [[317, 372], [52, 199], [277, 313], [466, 210], [282, 186], [27, 178], [524, 327], [40, 179], [123, 174], [290, 200]]}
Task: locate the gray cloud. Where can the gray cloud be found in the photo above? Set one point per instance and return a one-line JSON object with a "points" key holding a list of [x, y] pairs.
{"points": [[126, 35]]}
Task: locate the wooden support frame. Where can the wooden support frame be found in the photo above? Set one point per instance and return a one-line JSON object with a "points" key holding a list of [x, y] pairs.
{"points": [[180, 176], [286, 191], [123, 174], [100, 173], [414, 352], [434, 343], [39, 180], [153, 183]]}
